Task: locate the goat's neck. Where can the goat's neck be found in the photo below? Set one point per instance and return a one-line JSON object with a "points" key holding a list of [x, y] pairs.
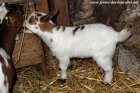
{"points": [[9, 39], [9, 34]]}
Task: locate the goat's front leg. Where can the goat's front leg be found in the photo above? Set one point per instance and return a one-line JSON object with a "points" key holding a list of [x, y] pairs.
{"points": [[63, 64]]}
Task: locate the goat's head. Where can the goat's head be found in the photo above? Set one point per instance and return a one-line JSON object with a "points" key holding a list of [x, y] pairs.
{"points": [[38, 21], [5, 8], [3, 12]]}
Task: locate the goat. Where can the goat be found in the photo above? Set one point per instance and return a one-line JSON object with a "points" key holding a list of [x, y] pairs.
{"points": [[90, 40], [7, 40]]}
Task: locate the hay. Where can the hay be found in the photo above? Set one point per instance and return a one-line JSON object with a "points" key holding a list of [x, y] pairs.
{"points": [[84, 77]]}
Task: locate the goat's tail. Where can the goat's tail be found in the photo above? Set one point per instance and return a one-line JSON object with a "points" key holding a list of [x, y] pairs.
{"points": [[124, 34]]}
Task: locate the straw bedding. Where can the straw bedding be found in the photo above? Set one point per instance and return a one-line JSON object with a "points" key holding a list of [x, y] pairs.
{"points": [[84, 77]]}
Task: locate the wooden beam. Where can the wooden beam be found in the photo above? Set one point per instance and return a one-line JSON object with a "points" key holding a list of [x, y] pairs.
{"points": [[63, 17], [12, 1], [42, 5]]}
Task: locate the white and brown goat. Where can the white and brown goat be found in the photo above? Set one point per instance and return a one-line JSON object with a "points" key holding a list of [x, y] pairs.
{"points": [[7, 40], [90, 40]]}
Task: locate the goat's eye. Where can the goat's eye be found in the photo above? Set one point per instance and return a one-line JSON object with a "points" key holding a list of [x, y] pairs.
{"points": [[39, 15], [32, 20]]}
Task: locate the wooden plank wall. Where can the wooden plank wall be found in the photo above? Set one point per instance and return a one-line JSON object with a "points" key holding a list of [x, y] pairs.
{"points": [[63, 17], [42, 5], [61, 5]]}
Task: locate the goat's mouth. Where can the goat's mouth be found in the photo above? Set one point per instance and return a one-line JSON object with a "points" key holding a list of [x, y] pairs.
{"points": [[27, 26]]}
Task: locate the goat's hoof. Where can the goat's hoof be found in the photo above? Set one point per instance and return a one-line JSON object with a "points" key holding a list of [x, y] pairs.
{"points": [[62, 81], [106, 82]]}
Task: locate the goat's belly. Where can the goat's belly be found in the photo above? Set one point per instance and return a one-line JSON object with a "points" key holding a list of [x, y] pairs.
{"points": [[83, 50], [77, 53], [81, 54]]}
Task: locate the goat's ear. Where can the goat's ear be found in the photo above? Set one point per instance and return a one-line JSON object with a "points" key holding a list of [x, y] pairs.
{"points": [[49, 16], [54, 18], [52, 14]]}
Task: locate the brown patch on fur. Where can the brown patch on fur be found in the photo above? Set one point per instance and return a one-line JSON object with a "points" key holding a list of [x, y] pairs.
{"points": [[82, 27], [44, 19], [46, 26], [32, 20], [75, 30]]}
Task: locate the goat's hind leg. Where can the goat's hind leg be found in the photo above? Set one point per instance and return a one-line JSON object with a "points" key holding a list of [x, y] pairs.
{"points": [[106, 65]]}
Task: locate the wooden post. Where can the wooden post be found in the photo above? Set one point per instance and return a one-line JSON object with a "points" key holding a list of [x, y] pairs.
{"points": [[63, 17]]}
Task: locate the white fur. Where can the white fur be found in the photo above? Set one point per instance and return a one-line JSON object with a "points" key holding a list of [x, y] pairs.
{"points": [[95, 40], [3, 12], [5, 56]]}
